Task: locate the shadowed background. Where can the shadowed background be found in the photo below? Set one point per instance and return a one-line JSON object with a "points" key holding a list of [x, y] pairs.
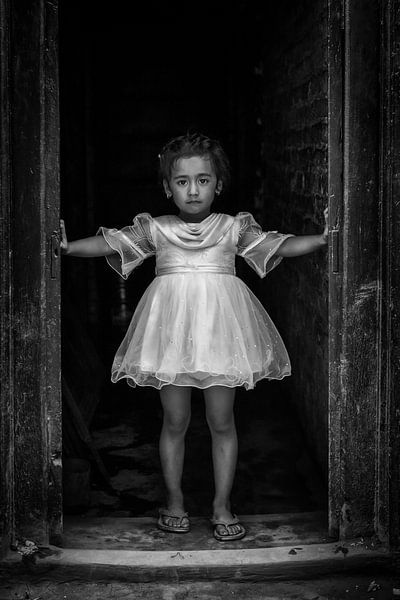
{"points": [[255, 77]]}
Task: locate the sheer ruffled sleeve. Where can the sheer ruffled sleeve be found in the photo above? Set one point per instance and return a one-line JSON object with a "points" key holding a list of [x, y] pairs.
{"points": [[132, 244], [258, 247]]}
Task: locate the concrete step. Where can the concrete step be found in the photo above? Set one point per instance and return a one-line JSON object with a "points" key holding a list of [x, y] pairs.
{"points": [[277, 547], [259, 564]]}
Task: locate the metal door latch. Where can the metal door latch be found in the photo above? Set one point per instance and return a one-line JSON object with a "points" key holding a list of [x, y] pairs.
{"points": [[54, 254], [335, 258]]}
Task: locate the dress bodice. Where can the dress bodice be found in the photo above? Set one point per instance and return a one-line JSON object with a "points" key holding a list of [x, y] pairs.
{"points": [[178, 246], [206, 246]]}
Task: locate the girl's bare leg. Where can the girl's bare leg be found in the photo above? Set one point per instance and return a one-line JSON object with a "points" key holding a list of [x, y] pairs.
{"points": [[219, 411], [175, 401]]}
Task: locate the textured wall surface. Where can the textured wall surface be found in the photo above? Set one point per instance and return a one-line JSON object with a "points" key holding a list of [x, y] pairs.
{"points": [[293, 184]]}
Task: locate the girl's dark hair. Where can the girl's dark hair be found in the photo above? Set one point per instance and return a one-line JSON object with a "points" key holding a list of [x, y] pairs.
{"points": [[195, 144]]}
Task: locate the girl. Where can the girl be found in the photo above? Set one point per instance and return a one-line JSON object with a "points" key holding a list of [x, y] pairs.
{"points": [[197, 324]]}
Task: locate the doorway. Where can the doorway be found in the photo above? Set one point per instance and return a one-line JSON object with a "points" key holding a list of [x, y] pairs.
{"points": [[363, 283], [120, 102]]}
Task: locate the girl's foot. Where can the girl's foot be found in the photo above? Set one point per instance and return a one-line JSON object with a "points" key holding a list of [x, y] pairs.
{"points": [[173, 521], [227, 526]]}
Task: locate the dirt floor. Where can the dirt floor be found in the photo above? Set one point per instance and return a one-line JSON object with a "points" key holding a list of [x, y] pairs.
{"points": [[378, 587]]}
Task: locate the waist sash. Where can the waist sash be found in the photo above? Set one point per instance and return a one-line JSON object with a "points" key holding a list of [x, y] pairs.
{"points": [[195, 269]]}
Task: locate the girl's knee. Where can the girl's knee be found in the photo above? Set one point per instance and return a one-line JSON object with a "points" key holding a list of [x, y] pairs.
{"points": [[176, 424], [176, 406], [221, 424]]}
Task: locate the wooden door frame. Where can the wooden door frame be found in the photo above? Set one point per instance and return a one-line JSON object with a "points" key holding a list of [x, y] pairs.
{"points": [[30, 292], [364, 290], [388, 457], [30, 460]]}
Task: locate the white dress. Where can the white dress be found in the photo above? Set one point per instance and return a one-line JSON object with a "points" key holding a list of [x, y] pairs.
{"points": [[197, 324]]}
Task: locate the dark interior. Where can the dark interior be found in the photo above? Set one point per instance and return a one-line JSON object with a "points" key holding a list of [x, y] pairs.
{"points": [[254, 76]]}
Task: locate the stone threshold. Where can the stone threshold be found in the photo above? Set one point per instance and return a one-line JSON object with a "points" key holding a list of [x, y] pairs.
{"points": [[101, 550], [259, 564]]}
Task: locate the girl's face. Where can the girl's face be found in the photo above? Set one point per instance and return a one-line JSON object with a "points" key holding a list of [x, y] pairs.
{"points": [[193, 184]]}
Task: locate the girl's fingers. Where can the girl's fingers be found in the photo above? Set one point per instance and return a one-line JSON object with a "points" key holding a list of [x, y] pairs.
{"points": [[64, 240], [326, 229]]}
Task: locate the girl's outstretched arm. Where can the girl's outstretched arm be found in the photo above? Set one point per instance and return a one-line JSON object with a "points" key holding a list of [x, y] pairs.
{"points": [[304, 244], [87, 247]]}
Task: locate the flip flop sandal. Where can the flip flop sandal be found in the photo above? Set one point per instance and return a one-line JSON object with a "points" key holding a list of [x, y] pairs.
{"points": [[172, 528], [230, 536]]}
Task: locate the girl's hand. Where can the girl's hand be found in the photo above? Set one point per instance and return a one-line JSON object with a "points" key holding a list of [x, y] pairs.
{"points": [[303, 244], [326, 230], [64, 240]]}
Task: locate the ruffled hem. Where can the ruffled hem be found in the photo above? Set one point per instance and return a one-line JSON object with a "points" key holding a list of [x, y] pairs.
{"points": [[191, 380]]}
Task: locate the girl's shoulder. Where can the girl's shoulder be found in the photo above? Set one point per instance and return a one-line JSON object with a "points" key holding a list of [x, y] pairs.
{"points": [[143, 217], [239, 216], [244, 216]]}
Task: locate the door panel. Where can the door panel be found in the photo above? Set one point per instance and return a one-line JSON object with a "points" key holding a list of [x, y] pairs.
{"points": [[356, 404], [30, 105]]}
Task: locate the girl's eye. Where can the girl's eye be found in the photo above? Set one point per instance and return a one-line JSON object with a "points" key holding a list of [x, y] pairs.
{"points": [[181, 182], [203, 181]]}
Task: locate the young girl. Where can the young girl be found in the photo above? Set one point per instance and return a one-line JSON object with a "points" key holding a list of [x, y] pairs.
{"points": [[197, 324]]}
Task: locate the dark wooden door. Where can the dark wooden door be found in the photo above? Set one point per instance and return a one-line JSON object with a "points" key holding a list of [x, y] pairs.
{"points": [[30, 333], [361, 404]]}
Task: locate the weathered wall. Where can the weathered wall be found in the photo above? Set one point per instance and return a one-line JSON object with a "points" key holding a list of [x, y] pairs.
{"points": [[294, 188]]}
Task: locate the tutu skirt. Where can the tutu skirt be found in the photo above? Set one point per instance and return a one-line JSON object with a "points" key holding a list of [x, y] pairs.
{"points": [[200, 330]]}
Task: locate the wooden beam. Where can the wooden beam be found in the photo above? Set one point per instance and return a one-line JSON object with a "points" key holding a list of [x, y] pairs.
{"points": [[388, 456], [6, 298], [335, 194]]}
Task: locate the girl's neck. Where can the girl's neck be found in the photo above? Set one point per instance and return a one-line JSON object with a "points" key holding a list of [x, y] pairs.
{"points": [[197, 218]]}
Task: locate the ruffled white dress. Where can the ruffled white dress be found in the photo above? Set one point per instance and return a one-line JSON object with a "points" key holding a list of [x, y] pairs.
{"points": [[197, 324]]}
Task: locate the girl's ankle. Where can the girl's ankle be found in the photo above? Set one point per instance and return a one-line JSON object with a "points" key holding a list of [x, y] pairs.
{"points": [[221, 507], [175, 503]]}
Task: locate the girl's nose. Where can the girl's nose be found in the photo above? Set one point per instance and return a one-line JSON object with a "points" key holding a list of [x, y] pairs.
{"points": [[193, 189]]}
